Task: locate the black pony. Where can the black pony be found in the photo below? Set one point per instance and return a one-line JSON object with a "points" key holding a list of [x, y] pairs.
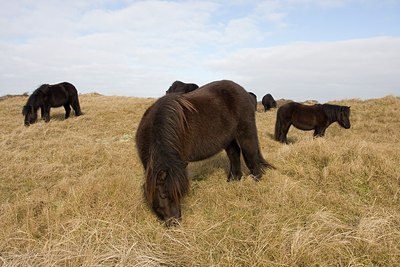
{"points": [[181, 128], [181, 87], [47, 96], [268, 102], [316, 117]]}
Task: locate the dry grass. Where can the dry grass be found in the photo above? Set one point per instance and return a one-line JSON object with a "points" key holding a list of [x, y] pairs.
{"points": [[70, 194]]}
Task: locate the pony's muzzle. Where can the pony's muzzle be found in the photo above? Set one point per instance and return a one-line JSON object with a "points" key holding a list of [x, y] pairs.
{"points": [[172, 222]]}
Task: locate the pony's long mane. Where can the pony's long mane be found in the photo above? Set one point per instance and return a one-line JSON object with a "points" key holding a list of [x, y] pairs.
{"points": [[166, 148], [40, 91], [331, 111]]}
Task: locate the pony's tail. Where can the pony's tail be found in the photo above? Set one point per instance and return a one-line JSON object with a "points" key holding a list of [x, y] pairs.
{"points": [[78, 111], [73, 97], [265, 165]]}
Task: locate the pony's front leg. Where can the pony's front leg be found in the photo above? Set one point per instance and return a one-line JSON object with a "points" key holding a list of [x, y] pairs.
{"points": [[67, 110], [319, 132], [281, 130], [282, 135], [47, 114], [233, 152], [42, 111]]}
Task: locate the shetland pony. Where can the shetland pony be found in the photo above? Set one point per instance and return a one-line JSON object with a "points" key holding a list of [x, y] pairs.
{"points": [[181, 128], [316, 117], [181, 87], [268, 102], [47, 96]]}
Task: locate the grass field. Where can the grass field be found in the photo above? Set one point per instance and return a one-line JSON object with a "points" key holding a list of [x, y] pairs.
{"points": [[70, 194]]}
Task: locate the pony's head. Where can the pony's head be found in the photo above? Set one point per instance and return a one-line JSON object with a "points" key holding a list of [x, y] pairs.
{"points": [[344, 117], [35, 100], [164, 198], [30, 114]]}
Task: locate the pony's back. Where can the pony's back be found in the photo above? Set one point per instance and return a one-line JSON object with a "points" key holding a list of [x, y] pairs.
{"points": [[73, 96], [70, 88], [221, 107]]}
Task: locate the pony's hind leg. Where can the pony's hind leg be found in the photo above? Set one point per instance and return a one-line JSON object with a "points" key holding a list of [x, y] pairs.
{"points": [[233, 152], [42, 112], [252, 155], [67, 110], [46, 113]]}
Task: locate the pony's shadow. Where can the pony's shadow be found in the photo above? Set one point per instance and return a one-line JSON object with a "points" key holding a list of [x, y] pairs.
{"points": [[201, 170], [61, 116], [290, 140], [57, 117], [270, 135]]}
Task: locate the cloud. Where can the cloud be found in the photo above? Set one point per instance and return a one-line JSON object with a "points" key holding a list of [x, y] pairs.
{"points": [[138, 48], [106, 50], [327, 70]]}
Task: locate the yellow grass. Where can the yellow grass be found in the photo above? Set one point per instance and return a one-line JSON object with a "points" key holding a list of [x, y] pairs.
{"points": [[70, 194]]}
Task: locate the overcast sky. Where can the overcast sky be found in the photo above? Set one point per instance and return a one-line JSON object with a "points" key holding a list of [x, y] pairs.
{"points": [[295, 49]]}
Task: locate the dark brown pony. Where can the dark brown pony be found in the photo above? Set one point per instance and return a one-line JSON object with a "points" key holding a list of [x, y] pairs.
{"points": [[181, 87], [316, 117], [181, 128], [47, 96], [268, 102]]}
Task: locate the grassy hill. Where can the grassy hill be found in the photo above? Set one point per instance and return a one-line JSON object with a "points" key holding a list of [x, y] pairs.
{"points": [[70, 194]]}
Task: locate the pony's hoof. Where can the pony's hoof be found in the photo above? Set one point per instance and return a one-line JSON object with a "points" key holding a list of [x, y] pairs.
{"points": [[234, 178]]}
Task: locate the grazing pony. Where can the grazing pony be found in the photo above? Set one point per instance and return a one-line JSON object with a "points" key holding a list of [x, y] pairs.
{"points": [[181, 87], [181, 128], [268, 102], [254, 99], [47, 96], [316, 117]]}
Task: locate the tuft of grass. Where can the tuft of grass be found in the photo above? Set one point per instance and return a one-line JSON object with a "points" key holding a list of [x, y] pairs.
{"points": [[70, 194]]}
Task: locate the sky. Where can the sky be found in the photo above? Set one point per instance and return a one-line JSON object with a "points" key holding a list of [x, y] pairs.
{"points": [[320, 50]]}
